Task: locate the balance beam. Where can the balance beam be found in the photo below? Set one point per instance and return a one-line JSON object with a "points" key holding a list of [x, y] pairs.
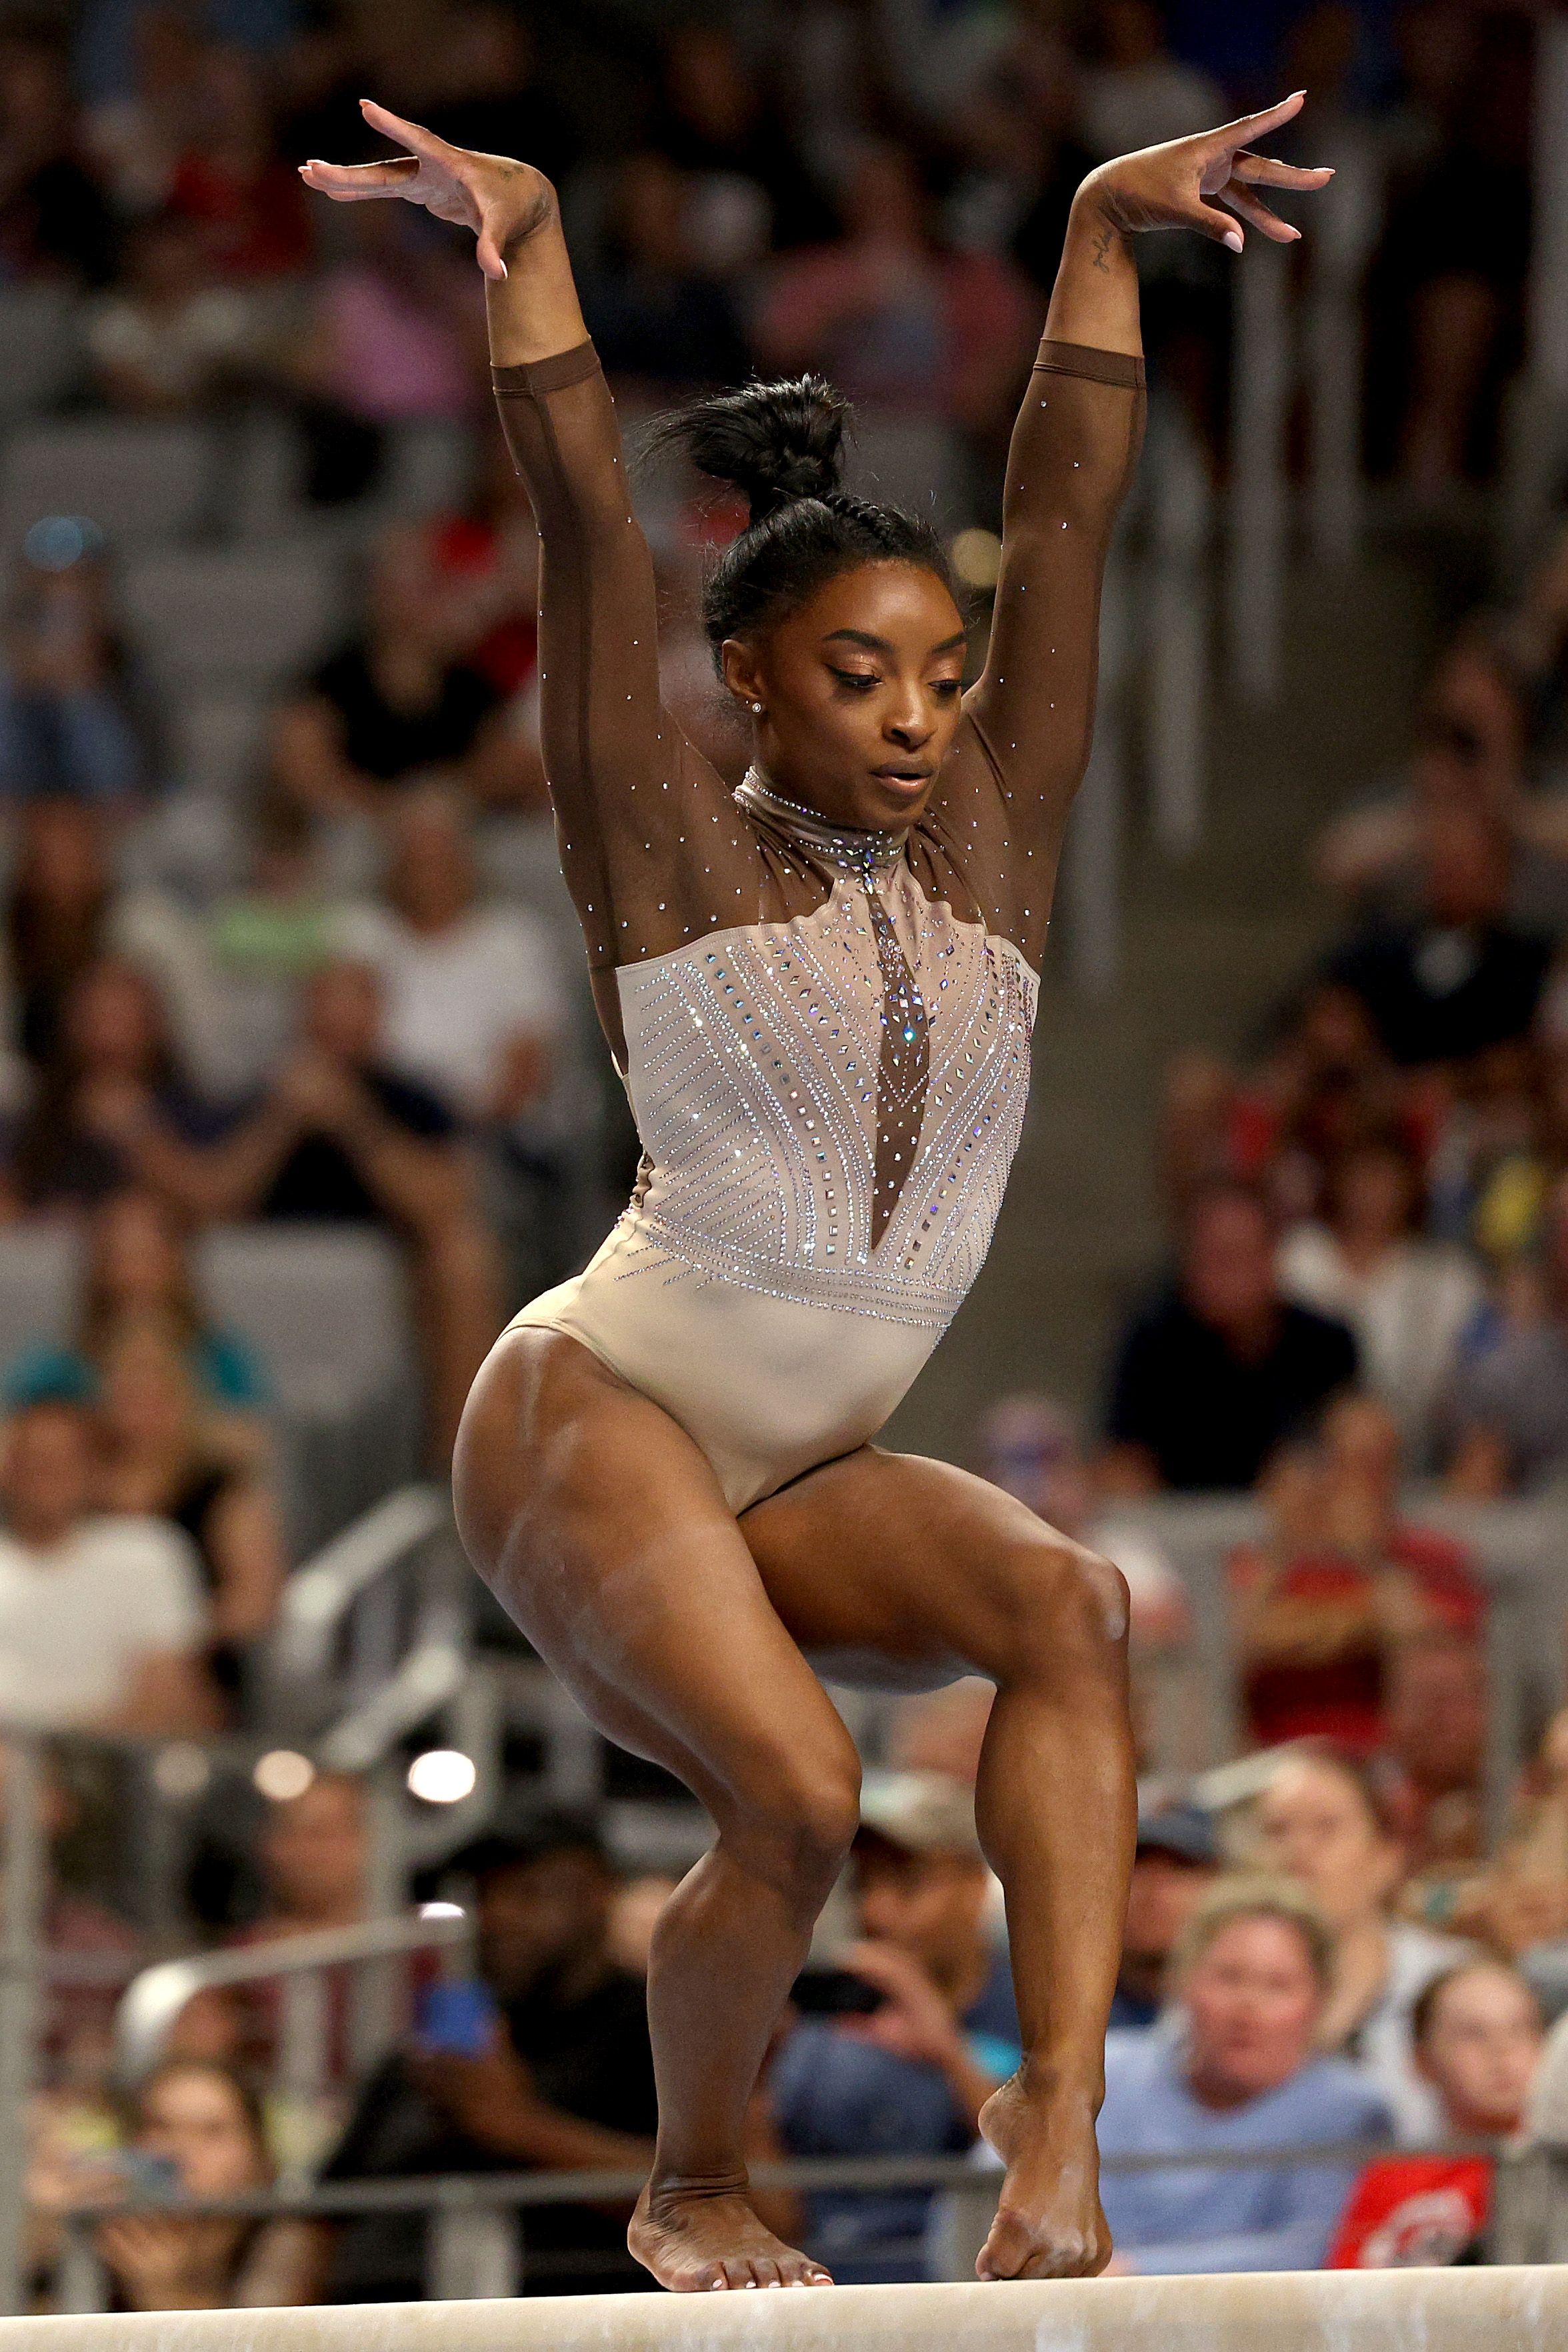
{"points": [[1502, 2310]]}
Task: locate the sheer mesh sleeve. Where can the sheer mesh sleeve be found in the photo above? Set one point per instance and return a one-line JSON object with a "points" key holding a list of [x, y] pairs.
{"points": [[650, 845], [1008, 782]]}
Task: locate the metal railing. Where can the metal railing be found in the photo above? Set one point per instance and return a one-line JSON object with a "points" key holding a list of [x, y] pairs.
{"points": [[476, 2240]]}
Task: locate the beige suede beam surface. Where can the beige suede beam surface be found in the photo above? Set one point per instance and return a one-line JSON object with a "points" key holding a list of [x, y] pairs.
{"points": [[1503, 2310]]}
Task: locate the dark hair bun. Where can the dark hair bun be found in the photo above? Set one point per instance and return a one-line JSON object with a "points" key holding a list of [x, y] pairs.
{"points": [[776, 442]]}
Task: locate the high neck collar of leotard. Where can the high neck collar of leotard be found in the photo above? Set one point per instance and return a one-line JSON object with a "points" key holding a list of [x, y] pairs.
{"points": [[847, 846]]}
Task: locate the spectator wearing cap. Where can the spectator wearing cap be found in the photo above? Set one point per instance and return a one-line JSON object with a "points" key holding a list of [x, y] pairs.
{"points": [[542, 2064], [908, 2072], [1238, 2070], [1176, 1863], [1478, 2040]]}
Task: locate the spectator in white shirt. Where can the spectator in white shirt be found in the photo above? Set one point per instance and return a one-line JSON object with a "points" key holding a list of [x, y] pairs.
{"points": [[1408, 1301], [473, 993], [101, 1618]]}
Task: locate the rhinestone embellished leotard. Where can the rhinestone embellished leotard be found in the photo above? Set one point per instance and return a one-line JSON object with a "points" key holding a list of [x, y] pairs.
{"points": [[825, 1035]]}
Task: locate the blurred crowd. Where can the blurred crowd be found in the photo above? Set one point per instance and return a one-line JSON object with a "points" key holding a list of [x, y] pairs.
{"points": [[340, 987]]}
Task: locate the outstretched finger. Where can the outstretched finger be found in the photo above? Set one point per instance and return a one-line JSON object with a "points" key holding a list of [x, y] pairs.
{"points": [[350, 183], [413, 134], [1248, 127], [1268, 172], [1266, 222]]}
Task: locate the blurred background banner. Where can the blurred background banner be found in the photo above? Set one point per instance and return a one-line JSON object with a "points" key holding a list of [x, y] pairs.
{"points": [[324, 1905]]}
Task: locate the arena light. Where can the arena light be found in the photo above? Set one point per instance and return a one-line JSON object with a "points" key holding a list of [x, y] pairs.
{"points": [[442, 1776], [976, 557], [283, 1774], [440, 1911]]}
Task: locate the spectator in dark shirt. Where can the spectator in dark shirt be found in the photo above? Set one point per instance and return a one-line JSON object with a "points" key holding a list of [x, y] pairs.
{"points": [[1210, 1378], [654, 312], [1456, 978], [560, 2078], [54, 221], [394, 702], [55, 922]]}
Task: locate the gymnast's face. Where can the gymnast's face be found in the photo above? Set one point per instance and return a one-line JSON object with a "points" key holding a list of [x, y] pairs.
{"points": [[859, 692]]}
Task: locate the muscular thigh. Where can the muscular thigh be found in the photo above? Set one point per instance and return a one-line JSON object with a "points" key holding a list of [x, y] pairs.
{"points": [[912, 1561], [602, 1529]]}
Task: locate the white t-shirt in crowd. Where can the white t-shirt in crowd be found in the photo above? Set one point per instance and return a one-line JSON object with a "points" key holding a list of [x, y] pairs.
{"points": [[76, 1620], [456, 998]]}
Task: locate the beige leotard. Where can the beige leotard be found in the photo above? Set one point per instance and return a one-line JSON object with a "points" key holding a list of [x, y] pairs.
{"points": [[825, 1035]]}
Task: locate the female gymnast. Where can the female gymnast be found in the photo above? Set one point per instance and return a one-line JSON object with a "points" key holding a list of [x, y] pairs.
{"points": [[820, 991]]}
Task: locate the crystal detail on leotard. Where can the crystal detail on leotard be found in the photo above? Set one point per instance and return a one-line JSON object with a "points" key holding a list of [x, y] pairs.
{"points": [[755, 1072], [904, 1059]]}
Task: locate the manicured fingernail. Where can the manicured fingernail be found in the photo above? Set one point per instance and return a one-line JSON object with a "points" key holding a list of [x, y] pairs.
{"points": [[1233, 238]]}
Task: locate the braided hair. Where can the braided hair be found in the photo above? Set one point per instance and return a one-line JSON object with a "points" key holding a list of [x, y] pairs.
{"points": [[781, 446]]}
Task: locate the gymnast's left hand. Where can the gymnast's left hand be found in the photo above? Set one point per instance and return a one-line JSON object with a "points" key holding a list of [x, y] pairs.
{"points": [[1203, 183]]}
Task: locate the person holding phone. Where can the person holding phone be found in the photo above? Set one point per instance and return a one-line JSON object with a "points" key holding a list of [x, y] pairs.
{"points": [[898, 2047]]}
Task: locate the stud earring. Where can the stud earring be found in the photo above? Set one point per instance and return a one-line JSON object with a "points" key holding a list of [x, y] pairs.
{"points": [[758, 709]]}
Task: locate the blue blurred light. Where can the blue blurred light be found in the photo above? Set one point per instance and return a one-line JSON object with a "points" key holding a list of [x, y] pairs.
{"points": [[57, 541]]}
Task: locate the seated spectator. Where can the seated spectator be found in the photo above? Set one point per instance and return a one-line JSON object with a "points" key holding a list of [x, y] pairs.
{"points": [[77, 719], [54, 222], [78, 2017], [201, 2123], [1407, 1302], [313, 1855], [1471, 744], [654, 310], [550, 2069], [723, 126], [474, 999], [337, 1138], [1253, 1976], [167, 341], [165, 1455], [1138, 94], [1210, 1378], [1455, 977], [1175, 1863], [1325, 1085], [395, 703], [55, 920], [109, 1106], [1478, 2042], [138, 1272], [1510, 1406], [908, 2072], [392, 336], [1339, 1581], [230, 971], [101, 1618], [1519, 1899], [484, 562], [894, 321], [1321, 1822], [1432, 1761], [247, 203]]}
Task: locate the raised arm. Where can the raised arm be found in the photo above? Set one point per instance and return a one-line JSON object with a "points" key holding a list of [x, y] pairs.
{"points": [[609, 746], [1072, 455]]}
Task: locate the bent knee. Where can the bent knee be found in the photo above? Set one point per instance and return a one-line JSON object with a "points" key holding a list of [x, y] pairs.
{"points": [[798, 1817], [1071, 1603]]}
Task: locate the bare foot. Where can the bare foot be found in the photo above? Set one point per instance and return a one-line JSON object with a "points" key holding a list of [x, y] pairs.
{"points": [[1049, 2221], [694, 2239]]}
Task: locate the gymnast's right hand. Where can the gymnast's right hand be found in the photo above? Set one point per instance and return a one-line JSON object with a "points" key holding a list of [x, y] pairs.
{"points": [[501, 201]]}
